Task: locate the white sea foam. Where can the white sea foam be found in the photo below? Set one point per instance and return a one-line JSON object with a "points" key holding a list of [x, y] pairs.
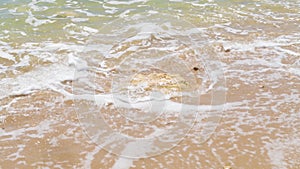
{"points": [[38, 79], [6, 55], [125, 2], [80, 19], [32, 20], [85, 12]]}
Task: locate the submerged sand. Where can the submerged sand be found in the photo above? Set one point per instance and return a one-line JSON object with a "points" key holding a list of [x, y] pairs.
{"points": [[232, 77]]}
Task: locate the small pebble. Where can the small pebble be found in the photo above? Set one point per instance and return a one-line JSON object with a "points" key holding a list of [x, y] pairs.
{"points": [[227, 50]]}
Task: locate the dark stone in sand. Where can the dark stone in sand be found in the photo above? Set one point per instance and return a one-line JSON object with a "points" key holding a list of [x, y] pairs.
{"points": [[227, 50]]}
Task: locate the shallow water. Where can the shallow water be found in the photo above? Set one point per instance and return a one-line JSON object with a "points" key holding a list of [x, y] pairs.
{"points": [[149, 84]]}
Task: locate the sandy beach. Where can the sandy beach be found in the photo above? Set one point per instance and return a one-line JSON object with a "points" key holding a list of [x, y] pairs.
{"points": [[147, 84]]}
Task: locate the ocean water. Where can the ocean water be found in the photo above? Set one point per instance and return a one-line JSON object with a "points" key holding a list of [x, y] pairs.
{"points": [[149, 84]]}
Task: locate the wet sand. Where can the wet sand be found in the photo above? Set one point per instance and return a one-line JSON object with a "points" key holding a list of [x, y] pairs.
{"points": [[241, 58], [42, 129]]}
